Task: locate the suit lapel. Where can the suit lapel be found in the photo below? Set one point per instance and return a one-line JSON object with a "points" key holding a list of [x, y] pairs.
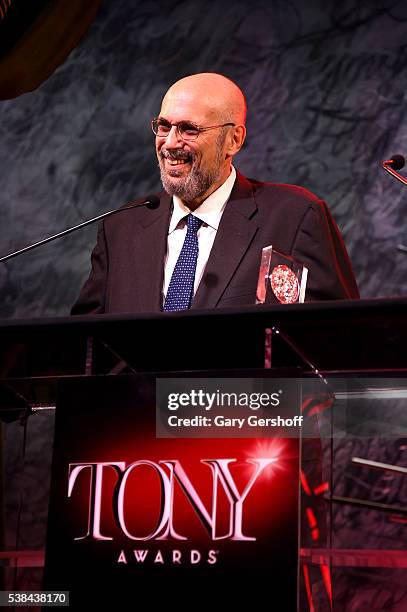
{"points": [[234, 236], [150, 246]]}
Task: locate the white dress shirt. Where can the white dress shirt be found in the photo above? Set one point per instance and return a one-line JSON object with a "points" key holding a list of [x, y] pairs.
{"points": [[210, 212]]}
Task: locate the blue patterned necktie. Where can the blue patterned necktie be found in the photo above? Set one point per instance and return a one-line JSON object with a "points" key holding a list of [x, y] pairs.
{"points": [[181, 288]]}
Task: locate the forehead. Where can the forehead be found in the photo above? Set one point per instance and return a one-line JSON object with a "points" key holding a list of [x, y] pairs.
{"points": [[181, 105]]}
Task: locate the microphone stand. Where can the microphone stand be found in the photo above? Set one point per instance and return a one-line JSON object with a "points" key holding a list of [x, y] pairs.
{"points": [[390, 166], [152, 203], [387, 165]]}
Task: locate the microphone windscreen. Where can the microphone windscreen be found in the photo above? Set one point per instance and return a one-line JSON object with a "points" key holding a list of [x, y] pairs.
{"points": [[152, 201], [397, 162]]}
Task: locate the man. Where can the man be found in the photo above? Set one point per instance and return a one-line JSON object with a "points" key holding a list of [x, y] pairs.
{"points": [[202, 247]]}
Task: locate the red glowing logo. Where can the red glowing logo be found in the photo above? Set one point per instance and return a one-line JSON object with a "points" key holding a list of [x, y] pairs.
{"points": [[225, 492]]}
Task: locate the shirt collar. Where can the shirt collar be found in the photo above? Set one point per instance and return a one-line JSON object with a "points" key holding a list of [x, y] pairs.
{"points": [[211, 209]]}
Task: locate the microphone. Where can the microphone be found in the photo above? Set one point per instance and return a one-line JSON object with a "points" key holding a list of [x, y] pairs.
{"points": [[152, 202], [391, 165], [396, 162]]}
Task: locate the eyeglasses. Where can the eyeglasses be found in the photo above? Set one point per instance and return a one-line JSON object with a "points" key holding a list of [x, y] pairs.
{"points": [[185, 129]]}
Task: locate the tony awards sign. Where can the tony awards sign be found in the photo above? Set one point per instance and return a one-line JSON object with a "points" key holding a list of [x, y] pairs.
{"points": [[133, 515]]}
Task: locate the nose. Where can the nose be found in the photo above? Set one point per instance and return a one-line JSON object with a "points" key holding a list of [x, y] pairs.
{"points": [[173, 140]]}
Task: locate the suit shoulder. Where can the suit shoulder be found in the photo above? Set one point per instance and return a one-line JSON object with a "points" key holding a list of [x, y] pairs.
{"points": [[295, 193]]}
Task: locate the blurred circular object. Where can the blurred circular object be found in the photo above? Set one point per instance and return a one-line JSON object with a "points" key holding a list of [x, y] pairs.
{"points": [[284, 284]]}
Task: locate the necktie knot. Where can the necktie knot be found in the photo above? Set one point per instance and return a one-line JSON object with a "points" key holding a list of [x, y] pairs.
{"points": [[193, 223]]}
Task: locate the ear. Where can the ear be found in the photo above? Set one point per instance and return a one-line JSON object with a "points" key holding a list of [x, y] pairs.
{"points": [[235, 140]]}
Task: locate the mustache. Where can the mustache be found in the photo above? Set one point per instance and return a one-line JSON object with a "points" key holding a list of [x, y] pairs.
{"points": [[177, 154]]}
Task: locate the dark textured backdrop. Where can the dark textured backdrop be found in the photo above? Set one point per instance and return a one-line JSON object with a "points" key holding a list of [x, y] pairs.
{"points": [[326, 83]]}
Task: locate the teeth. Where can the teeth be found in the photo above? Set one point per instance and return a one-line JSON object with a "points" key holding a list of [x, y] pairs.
{"points": [[176, 162]]}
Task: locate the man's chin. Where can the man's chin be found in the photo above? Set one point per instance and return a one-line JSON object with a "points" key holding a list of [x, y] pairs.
{"points": [[180, 184], [173, 186], [175, 173], [174, 178], [175, 183]]}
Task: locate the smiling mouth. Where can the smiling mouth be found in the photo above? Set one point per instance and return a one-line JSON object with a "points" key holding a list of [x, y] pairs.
{"points": [[177, 167], [176, 162], [176, 159]]}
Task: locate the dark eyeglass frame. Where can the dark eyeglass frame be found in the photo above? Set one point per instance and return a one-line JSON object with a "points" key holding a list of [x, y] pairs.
{"points": [[180, 129]]}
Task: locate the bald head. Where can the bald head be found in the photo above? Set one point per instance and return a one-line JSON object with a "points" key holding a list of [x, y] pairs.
{"points": [[193, 167], [211, 94]]}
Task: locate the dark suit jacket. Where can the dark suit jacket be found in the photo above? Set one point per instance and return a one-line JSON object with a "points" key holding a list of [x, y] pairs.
{"points": [[128, 260]]}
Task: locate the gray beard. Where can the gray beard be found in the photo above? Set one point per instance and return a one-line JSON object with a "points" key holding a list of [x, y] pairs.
{"points": [[197, 182]]}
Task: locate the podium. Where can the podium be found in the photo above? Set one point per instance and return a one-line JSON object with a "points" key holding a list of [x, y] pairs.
{"points": [[350, 544]]}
